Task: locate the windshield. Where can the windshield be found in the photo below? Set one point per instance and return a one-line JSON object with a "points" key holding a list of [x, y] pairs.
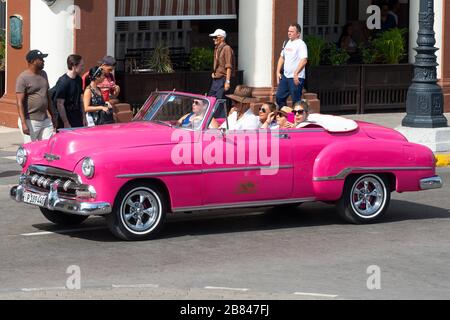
{"points": [[174, 110]]}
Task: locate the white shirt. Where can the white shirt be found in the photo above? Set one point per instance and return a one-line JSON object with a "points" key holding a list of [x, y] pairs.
{"points": [[293, 52], [247, 122]]}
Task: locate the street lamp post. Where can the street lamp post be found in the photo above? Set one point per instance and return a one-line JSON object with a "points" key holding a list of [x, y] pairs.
{"points": [[425, 101]]}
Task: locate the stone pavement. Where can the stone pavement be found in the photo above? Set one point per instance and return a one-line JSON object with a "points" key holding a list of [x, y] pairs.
{"points": [[10, 138]]}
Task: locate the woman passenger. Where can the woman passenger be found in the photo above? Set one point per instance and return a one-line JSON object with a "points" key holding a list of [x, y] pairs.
{"points": [[194, 119], [301, 112], [267, 116]]}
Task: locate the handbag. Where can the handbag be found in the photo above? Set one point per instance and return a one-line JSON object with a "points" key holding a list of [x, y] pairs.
{"points": [[104, 117]]}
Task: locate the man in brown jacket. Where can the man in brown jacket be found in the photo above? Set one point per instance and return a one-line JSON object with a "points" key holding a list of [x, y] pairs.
{"points": [[223, 65]]}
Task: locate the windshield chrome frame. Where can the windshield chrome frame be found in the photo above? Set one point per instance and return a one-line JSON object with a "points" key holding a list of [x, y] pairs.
{"points": [[186, 95]]}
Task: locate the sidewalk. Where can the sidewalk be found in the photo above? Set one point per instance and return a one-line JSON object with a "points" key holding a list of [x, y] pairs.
{"points": [[10, 139]]}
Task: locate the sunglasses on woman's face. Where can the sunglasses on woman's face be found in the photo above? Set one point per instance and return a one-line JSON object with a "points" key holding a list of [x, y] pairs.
{"points": [[299, 112], [263, 110], [196, 103]]}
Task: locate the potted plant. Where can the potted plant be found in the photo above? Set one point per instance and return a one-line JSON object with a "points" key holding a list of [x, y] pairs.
{"points": [[316, 46], [160, 60], [201, 59], [336, 56], [390, 45], [2, 53]]}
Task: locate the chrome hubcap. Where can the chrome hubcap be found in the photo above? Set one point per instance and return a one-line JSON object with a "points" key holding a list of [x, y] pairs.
{"points": [[140, 211], [368, 197]]}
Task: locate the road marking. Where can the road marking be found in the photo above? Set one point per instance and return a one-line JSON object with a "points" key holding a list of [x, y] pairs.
{"points": [[43, 289], [44, 233], [321, 295], [121, 286], [225, 288], [10, 158]]}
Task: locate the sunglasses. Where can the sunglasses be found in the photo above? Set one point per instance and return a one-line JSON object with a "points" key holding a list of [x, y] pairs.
{"points": [[298, 112], [263, 110], [197, 103]]}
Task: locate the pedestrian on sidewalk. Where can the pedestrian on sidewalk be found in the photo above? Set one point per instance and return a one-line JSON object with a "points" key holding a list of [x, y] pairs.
{"points": [[33, 100], [110, 89], [291, 67], [69, 94], [223, 66]]}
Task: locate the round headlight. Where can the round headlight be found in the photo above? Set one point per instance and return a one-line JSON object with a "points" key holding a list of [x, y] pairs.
{"points": [[21, 156], [88, 167]]}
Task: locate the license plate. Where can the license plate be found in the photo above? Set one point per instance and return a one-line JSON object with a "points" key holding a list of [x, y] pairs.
{"points": [[33, 198]]}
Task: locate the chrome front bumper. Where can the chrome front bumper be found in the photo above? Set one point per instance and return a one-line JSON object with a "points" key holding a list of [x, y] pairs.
{"points": [[431, 183], [55, 203]]}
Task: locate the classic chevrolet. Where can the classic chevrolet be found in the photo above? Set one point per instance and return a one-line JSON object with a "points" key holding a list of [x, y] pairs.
{"points": [[172, 158]]}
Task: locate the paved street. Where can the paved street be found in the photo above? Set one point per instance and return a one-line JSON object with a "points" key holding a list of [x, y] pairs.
{"points": [[304, 254]]}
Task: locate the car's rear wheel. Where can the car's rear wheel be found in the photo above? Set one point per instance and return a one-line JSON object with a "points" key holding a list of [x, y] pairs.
{"points": [[365, 198], [139, 212], [61, 218]]}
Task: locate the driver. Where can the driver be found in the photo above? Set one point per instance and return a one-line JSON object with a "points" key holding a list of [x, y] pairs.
{"points": [[194, 119]]}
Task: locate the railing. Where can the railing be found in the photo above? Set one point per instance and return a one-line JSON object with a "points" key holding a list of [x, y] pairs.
{"points": [[360, 88]]}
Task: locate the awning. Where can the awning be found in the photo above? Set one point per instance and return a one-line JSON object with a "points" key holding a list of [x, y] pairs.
{"points": [[134, 10]]}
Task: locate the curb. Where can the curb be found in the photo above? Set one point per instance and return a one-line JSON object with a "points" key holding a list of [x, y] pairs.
{"points": [[443, 160]]}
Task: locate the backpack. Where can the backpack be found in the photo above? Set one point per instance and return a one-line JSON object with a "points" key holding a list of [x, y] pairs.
{"points": [[52, 95]]}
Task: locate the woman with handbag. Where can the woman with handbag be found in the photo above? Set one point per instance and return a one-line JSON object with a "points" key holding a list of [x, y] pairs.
{"points": [[98, 112]]}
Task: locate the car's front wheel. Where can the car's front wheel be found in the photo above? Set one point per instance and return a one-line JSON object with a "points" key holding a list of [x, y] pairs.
{"points": [[139, 212], [61, 218], [365, 198]]}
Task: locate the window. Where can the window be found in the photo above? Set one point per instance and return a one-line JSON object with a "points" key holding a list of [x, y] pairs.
{"points": [[324, 18]]}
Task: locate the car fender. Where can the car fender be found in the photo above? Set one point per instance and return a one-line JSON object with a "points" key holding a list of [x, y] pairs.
{"points": [[340, 159]]}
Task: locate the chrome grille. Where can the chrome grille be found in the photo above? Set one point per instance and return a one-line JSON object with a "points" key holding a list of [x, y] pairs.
{"points": [[41, 178]]}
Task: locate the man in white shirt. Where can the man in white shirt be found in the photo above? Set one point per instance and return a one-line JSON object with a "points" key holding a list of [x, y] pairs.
{"points": [[293, 60], [242, 116]]}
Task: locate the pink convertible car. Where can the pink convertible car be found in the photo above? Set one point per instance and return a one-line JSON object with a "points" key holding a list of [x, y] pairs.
{"points": [[170, 160]]}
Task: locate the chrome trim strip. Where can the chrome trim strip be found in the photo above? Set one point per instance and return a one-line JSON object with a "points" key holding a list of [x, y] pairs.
{"points": [[431, 183], [263, 203], [193, 172], [158, 174], [344, 173], [246, 169]]}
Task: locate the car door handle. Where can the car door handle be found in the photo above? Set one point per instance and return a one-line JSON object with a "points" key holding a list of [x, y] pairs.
{"points": [[284, 136]]}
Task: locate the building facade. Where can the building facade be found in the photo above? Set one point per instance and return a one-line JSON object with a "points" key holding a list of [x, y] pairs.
{"points": [[257, 28]]}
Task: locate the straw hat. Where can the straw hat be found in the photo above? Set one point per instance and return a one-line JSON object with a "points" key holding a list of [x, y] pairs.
{"points": [[243, 94], [285, 111]]}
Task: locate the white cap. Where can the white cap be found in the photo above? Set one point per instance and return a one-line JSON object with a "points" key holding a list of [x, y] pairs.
{"points": [[219, 33]]}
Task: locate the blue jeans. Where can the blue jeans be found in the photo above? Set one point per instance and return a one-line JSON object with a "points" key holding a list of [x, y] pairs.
{"points": [[288, 88]]}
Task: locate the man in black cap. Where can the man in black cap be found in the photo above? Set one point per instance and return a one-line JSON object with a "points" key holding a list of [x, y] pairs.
{"points": [[33, 100]]}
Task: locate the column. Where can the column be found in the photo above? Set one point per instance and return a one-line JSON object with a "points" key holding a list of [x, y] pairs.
{"points": [[255, 43], [111, 28], [52, 32]]}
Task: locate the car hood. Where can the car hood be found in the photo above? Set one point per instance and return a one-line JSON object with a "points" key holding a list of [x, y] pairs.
{"points": [[68, 147]]}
